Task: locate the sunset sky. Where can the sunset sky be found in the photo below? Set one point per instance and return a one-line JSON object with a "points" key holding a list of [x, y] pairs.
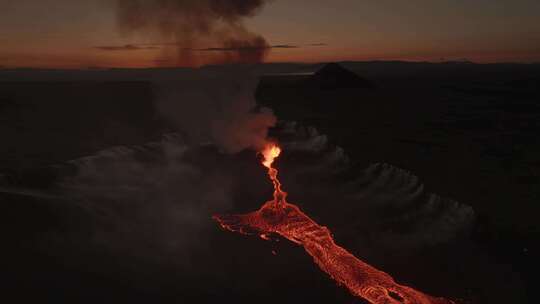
{"points": [[66, 33]]}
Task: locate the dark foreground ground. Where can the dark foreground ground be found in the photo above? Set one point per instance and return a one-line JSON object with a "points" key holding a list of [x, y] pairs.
{"points": [[470, 132]]}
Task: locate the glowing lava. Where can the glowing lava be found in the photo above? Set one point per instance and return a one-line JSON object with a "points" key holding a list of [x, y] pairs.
{"points": [[283, 218], [270, 153]]}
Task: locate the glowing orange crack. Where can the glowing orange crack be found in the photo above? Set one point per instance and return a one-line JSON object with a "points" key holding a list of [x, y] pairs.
{"points": [[280, 217]]}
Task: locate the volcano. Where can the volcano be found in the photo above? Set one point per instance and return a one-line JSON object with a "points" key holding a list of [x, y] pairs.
{"points": [[287, 220], [333, 76]]}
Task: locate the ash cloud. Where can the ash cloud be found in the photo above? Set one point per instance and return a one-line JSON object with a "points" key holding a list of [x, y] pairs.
{"points": [[192, 24], [216, 107]]}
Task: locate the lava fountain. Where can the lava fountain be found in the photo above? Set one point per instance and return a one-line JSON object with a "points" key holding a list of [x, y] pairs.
{"points": [[287, 220]]}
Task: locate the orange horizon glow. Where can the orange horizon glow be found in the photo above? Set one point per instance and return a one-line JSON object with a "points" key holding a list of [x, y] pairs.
{"points": [[34, 34], [153, 59]]}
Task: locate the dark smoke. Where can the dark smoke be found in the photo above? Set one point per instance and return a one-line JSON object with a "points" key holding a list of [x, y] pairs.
{"points": [[198, 24], [127, 47]]}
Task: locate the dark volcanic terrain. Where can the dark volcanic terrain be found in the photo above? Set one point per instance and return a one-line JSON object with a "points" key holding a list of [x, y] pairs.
{"points": [[468, 131]]}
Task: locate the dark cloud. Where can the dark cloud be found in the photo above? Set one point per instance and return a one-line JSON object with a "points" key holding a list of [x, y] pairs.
{"points": [[127, 47], [231, 51], [318, 44], [224, 49], [156, 46], [285, 46], [247, 48]]}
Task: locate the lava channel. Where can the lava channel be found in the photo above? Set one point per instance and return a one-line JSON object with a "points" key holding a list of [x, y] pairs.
{"points": [[287, 220]]}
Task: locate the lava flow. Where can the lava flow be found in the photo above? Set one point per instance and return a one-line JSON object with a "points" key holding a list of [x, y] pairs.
{"points": [[285, 219]]}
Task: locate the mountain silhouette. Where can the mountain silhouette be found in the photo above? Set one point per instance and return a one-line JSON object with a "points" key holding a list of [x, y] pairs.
{"points": [[333, 76]]}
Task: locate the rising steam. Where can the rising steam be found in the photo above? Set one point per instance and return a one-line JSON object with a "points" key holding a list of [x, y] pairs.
{"points": [[196, 24]]}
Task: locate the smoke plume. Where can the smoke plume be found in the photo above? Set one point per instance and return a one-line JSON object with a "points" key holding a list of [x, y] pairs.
{"points": [[193, 24], [217, 107]]}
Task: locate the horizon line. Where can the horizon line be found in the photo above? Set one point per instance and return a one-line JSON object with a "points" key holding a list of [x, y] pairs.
{"points": [[104, 68]]}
